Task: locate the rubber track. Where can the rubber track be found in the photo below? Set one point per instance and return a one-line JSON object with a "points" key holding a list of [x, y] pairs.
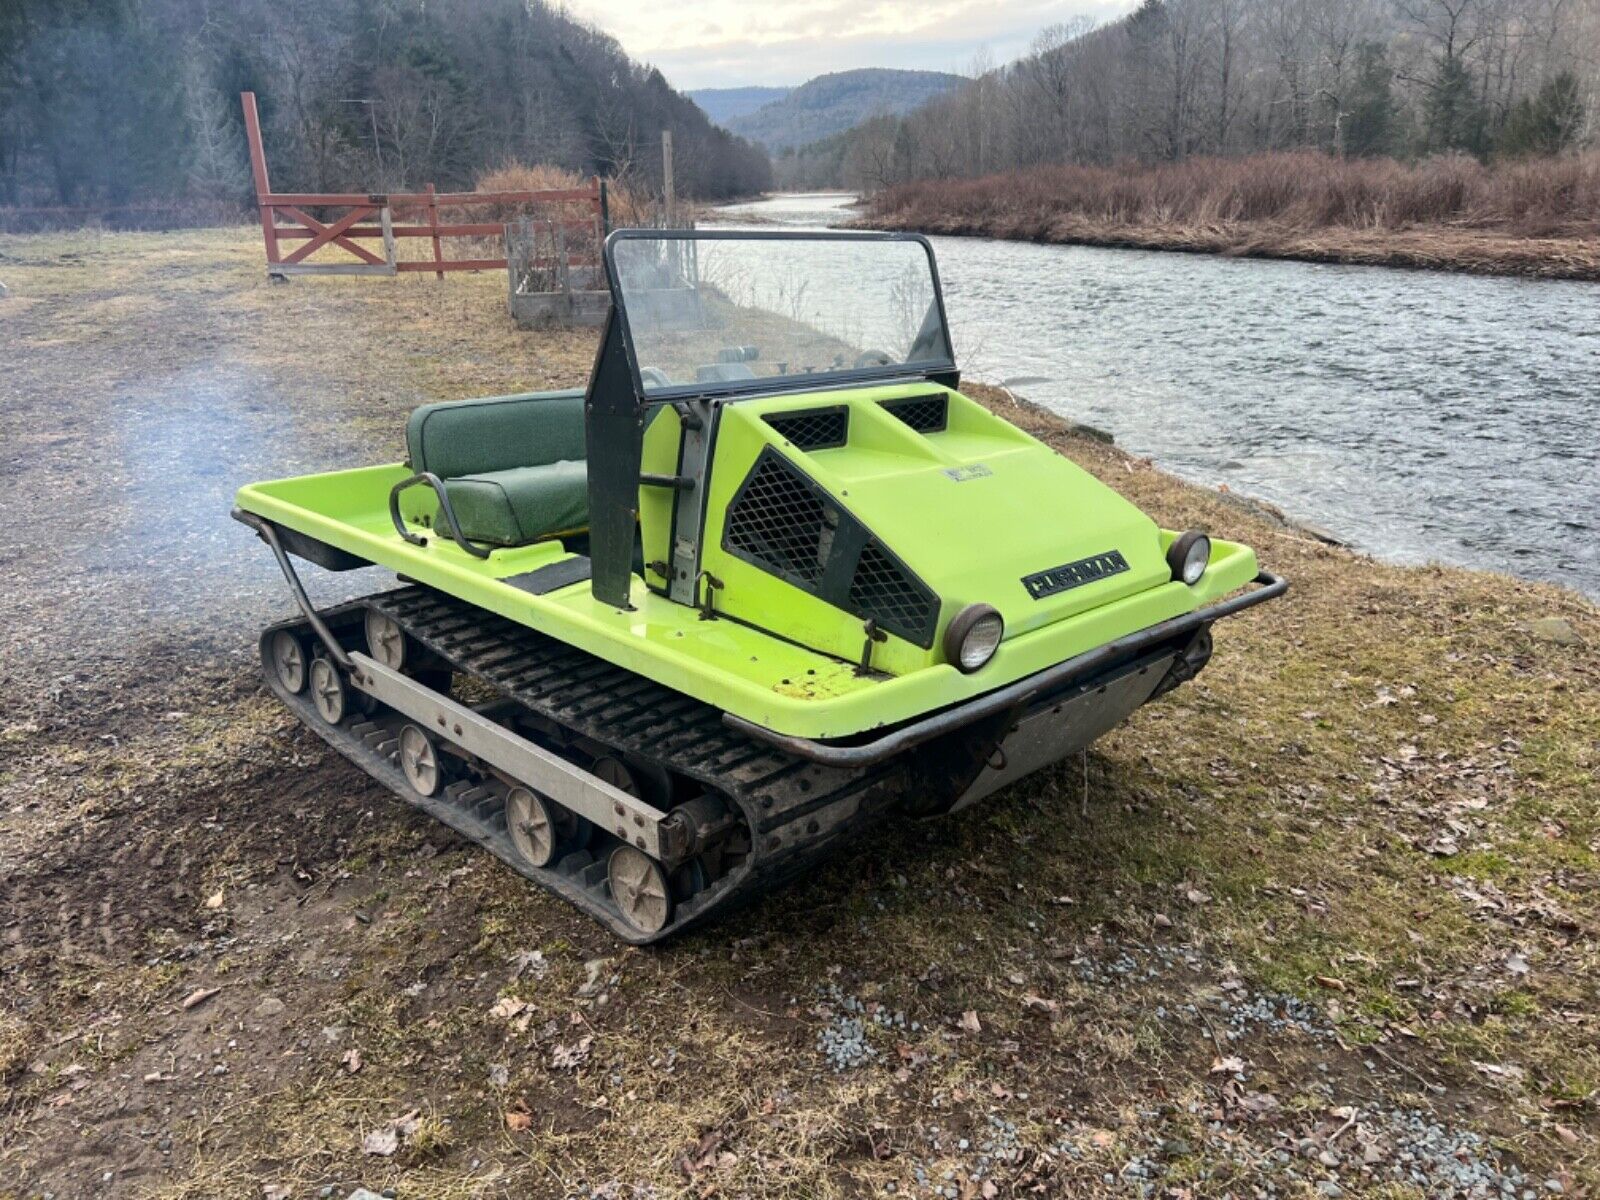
{"points": [[794, 809]]}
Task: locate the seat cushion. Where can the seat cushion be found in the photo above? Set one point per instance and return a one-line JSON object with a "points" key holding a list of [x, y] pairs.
{"points": [[521, 505], [498, 433]]}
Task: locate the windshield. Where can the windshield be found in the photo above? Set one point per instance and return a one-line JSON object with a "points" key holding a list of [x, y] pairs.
{"points": [[729, 312]]}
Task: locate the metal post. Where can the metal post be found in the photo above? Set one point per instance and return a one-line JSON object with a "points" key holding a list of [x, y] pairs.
{"points": [[258, 170]]}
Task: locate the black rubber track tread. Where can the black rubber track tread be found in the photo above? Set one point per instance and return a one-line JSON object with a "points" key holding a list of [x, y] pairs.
{"points": [[795, 810]]}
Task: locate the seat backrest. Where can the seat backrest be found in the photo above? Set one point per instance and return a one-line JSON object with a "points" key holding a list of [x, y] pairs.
{"points": [[497, 433]]}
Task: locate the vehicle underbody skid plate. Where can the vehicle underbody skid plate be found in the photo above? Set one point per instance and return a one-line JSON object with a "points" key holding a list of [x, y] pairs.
{"points": [[1066, 724]]}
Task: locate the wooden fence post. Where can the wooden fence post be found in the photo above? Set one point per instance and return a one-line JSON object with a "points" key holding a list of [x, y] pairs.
{"points": [[668, 190], [258, 171], [433, 224], [386, 224]]}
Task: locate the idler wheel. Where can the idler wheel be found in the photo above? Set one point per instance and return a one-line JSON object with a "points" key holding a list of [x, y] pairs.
{"points": [[419, 760], [639, 887], [328, 692], [386, 641], [289, 661], [531, 825]]}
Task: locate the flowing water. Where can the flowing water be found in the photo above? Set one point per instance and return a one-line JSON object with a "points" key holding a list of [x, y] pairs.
{"points": [[1421, 416]]}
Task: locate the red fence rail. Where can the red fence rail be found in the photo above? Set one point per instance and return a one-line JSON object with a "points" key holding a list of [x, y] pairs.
{"points": [[375, 216]]}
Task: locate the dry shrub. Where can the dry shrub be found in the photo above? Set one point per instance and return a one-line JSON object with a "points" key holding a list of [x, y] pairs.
{"points": [[1302, 191], [624, 204]]}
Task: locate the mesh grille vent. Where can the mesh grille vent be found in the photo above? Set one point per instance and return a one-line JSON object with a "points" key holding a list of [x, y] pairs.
{"points": [[883, 591], [925, 414], [813, 428], [781, 523]]}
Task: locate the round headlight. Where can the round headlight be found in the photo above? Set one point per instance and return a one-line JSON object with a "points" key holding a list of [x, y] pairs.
{"points": [[1188, 556], [973, 636]]}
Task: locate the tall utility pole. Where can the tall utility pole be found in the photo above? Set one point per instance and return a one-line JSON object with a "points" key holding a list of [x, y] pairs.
{"points": [[668, 195]]}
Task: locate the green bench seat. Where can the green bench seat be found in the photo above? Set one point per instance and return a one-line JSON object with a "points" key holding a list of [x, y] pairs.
{"points": [[515, 467]]}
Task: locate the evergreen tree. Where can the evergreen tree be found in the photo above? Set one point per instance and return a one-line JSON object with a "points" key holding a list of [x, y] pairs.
{"points": [[1548, 123], [1369, 126], [1454, 115]]}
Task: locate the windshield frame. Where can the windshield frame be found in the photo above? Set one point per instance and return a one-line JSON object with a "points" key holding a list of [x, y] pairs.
{"points": [[930, 369]]}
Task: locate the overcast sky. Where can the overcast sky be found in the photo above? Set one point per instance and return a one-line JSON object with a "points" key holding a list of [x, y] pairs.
{"points": [[726, 43]]}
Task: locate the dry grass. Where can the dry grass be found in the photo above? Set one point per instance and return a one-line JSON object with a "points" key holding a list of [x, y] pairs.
{"points": [[1538, 217], [1281, 822], [627, 207]]}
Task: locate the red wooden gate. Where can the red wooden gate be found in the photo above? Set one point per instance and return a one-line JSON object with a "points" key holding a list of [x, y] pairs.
{"points": [[378, 217]]}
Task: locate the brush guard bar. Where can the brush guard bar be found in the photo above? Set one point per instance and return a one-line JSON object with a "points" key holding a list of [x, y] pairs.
{"points": [[1013, 696]]}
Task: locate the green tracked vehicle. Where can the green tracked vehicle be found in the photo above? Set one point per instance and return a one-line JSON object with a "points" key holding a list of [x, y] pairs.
{"points": [[666, 641]]}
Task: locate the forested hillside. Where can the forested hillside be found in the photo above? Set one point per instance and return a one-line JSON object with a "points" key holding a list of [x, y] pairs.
{"points": [[106, 102], [830, 104], [1181, 78]]}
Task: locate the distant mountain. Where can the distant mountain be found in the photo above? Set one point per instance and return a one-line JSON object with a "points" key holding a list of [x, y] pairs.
{"points": [[724, 104], [830, 104]]}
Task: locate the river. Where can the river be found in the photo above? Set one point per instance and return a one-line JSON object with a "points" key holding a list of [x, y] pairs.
{"points": [[1420, 416]]}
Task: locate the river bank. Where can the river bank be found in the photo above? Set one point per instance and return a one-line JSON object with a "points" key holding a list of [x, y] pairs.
{"points": [[1328, 916], [1536, 220], [1433, 250]]}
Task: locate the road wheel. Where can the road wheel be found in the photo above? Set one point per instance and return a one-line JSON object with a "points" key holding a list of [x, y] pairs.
{"points": [[328, 692], [419, 760], [639, 887], [289, 661], [531, 825], [386, 641]]}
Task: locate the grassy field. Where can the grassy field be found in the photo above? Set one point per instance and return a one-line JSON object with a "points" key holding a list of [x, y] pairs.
{"points": [[1324, 923], [1539, 217]]}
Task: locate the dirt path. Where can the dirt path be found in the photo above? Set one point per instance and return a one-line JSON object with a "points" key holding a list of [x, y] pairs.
{"points": [[1324, 924]]}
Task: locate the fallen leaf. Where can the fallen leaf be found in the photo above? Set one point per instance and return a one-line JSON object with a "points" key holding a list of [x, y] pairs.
{"points": [[1196, 896], [704, 1152], [199, 996], [351, 1060], [382, 1142], [1329, 982], [1161, 921], [518, 1117], [570, 1058], [969, 1021], [1231, 1065], [1033, 1001], [526, 962], [593, 976], [214, 901], [507, 1007]]}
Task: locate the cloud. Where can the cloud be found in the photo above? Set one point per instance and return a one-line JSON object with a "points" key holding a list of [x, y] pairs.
{"points": [[722, 43]]}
